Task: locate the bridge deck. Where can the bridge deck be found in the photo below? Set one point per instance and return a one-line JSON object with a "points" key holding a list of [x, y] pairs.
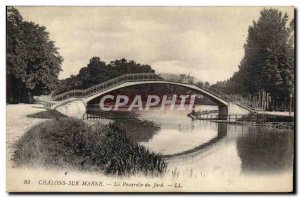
{"points": [[130, 80]]}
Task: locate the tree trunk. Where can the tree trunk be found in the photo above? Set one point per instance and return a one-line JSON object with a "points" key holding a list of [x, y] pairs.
{"points": [[29, 97]]}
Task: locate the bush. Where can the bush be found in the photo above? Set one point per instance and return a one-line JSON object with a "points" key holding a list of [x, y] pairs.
{"points": [[71, 143]]}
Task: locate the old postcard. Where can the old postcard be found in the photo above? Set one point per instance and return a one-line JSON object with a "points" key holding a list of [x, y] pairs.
{"points": [[150, 99]]}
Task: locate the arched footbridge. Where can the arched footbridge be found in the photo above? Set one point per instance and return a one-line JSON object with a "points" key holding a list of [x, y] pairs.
{"points": [[66, 102]]}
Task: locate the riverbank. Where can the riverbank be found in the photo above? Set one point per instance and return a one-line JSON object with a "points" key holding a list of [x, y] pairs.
{"points": [[53, 141], [219, 165], [18, 121], [262, 112], [268, 117], [68, 142]]}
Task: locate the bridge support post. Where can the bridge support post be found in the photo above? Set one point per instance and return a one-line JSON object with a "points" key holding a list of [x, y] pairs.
{"points": [[223, 112]]}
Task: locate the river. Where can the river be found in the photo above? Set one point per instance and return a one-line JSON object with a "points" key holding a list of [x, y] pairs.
{"points": [[196, 148]]}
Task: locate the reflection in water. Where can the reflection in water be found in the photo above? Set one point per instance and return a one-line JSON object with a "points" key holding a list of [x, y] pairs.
{"points": [[263, 150], [222, 132], [137, 130], [204, 146]]}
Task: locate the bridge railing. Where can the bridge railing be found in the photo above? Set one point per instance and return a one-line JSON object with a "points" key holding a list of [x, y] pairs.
{"points": [[176, 78], [82, 93]]}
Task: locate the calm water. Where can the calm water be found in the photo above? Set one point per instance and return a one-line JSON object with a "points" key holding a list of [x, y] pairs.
{"points": [[204, 146]]}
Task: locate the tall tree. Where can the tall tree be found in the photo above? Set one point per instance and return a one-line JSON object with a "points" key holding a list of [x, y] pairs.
{"points": [[33, 61], [267, 55], [268, 63], [15, 50]]}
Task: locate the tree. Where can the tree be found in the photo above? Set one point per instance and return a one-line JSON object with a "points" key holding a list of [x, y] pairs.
{"points": [[268, 63], [206, 85], [94, 73], [98, 71], [267, 55], [15, 50], [33, 61], [124, 66]]}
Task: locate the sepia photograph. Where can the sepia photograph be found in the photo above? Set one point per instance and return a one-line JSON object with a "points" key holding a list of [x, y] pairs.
{"points": [[151, 99]]}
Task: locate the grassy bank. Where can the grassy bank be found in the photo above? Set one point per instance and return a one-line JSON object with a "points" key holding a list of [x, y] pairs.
{"points": [[268, 118], [47, 114], [71, 143]]}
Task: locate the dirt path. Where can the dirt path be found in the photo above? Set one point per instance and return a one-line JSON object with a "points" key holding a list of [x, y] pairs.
{"points": [[17, 123]]}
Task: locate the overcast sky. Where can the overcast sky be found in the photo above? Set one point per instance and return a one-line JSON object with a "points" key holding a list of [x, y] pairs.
{"points": [[206, 42]]}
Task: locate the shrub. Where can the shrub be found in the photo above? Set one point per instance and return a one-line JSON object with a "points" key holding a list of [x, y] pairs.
{"points": [[72, 143]]}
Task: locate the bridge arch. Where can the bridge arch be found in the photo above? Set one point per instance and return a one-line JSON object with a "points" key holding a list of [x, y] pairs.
{"points": [[82, 97], [214, 98], [222, 104]]}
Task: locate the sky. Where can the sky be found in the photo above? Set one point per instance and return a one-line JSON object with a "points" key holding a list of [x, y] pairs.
{"points": [[205, 42]]}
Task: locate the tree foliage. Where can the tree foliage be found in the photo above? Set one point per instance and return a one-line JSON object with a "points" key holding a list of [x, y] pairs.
{"points": [[98, 71], [33, 62], [268, 63]]}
